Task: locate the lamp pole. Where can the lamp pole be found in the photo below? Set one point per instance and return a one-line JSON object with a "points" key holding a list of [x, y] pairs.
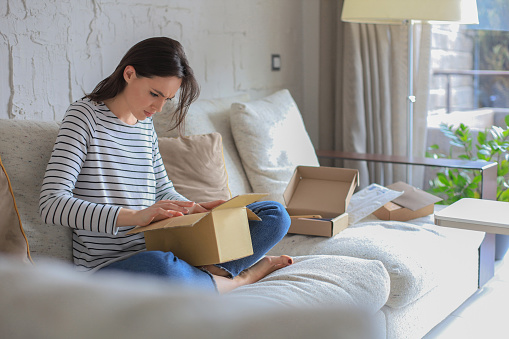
{"points": [[411, 97], [408, 12]]}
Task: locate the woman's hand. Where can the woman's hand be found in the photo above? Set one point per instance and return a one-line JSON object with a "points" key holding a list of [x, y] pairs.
{"points": [[203, 207], [160, 210]]}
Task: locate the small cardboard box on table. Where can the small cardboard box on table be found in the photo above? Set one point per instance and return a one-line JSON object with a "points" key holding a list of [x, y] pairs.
{"points": [[413, 203], [323, 192], [213, 237]]}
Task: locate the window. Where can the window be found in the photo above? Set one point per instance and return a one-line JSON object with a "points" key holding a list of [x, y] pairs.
{"points": [[470, 69]]}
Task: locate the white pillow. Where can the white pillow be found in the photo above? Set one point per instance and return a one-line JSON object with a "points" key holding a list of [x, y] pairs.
{"points": [[418, 256], [271, 140], [326, 280]]}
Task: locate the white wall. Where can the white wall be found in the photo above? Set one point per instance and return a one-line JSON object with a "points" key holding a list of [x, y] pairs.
{"points": [[452, 48], [54, 51], [311, 67]]}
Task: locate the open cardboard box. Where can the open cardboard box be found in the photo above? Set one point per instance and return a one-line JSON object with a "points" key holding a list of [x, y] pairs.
{"points": [[322, 191], [413, 203], [217, 236]]}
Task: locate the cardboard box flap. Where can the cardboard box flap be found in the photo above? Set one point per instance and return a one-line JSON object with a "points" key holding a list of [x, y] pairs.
{"points": [[320, 190], [252, 215], [241, 201], [182, 221], [413, 198]]}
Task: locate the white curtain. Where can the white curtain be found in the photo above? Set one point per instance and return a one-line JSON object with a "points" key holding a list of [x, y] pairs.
{"points": [[366, 95]]}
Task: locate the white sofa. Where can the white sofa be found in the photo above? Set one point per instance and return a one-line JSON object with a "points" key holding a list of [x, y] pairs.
{"points": [[377, 279]]}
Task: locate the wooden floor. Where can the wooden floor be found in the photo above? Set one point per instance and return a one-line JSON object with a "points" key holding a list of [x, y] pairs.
{"points": [[485, 315]]}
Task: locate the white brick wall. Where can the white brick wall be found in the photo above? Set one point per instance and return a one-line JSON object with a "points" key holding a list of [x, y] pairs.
{"points": [[53, 51], [452, 49]]}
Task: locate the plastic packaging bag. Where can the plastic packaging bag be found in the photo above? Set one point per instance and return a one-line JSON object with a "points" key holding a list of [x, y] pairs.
{"points": [[368, 200]]}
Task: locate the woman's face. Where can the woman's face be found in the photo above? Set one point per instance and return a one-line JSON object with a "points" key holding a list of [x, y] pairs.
{"points": [[146, 96]]}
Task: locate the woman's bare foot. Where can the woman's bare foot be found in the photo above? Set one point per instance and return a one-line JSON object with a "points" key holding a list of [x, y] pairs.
{"points": [[251, 275]]}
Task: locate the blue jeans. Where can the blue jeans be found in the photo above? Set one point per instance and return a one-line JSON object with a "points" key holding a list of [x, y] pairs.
{"points": [[264, 235]]}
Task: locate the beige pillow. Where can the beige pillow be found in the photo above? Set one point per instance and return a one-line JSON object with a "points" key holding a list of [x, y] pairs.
{"points": [[207, 116], [195, 165], [12, 238]]}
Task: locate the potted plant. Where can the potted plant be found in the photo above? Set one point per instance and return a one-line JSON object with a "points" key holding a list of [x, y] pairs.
{"points": [[453, 184]]}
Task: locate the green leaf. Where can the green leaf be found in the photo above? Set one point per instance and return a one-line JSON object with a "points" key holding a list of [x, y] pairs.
{"points": [[463, 180], [477, 179], [496, 132], [482, 155], [456, 143], [443, 179], [440, 189], [469, 193], [503, 168], [504, 196], [490, 145], [481, 137]]}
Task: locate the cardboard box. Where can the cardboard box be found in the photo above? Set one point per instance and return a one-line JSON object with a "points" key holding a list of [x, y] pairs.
{"points": [[323, 191], [413, 203], [217, 236]]}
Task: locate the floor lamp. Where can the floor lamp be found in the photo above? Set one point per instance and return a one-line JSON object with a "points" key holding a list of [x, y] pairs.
{"points": [[407, 12]]}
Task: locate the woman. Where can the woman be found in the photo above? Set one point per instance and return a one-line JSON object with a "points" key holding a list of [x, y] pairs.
{"points": [[106, 176]]}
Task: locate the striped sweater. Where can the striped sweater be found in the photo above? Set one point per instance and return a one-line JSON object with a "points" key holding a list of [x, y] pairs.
{"points": [[99, 165]]}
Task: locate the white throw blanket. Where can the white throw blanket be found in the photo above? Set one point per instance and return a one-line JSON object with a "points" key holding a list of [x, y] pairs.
{"points": [[415, 254]]}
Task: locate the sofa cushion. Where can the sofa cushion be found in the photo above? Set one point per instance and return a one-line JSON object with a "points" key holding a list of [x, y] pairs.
{"points": [[54, 301], [12, 237], [325, 280], [25, 148], [206, 116], [415, 254], [272, 140], [195, 165]]}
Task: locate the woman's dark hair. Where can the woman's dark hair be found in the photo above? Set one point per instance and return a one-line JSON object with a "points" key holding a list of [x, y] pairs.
{"points": [[153, 57]]}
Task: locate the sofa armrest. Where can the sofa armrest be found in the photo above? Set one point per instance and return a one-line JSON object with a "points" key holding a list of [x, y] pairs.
{"points": [[488, 191], [488, 169]]}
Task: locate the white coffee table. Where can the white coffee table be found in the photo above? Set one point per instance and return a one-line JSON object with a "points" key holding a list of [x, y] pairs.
{"points": [[484, 215], [488, 216]]}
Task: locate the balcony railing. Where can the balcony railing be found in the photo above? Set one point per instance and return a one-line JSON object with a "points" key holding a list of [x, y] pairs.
{"points": [[451, 73]]}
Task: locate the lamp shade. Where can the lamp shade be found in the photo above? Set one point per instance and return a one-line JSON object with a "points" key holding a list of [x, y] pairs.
{"points": [[397, 11]]}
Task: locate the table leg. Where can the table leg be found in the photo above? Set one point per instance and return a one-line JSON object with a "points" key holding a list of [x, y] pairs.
{"points": [[486, 259], [489, 183]]}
